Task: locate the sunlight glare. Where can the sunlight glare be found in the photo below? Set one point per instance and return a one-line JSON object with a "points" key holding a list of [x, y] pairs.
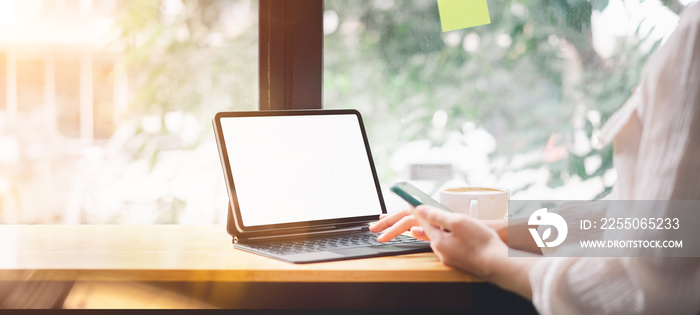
{"points": [[6, 12]]}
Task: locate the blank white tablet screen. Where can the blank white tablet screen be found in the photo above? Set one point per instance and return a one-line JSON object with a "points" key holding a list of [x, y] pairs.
{"points": [[299, 168]]}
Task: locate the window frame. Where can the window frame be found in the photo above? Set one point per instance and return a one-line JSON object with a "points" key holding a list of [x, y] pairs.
{"points": [[291, 54]]}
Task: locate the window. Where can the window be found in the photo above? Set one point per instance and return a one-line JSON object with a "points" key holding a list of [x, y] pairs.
{"points": [[107, 115], [516, 103], [106, 107]]}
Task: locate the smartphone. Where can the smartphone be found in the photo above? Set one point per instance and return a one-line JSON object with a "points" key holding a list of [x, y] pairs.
{"points": [[415, 196]]}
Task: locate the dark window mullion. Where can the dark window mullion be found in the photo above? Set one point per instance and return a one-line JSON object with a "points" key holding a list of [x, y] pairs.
{"points": [[291, 54]]}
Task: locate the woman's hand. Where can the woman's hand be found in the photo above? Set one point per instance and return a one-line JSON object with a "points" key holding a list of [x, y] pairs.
{"points": [[470, 245], [397, 223], [474, 246], [461, 241]]}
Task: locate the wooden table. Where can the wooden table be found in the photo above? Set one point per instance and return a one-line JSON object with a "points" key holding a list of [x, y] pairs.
{"points": [[184, 253], [195, 254]]}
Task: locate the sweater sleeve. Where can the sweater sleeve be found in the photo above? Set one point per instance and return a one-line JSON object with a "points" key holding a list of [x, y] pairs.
{"points": [[657, 145]]}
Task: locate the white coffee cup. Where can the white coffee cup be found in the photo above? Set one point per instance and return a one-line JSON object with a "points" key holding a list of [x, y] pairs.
{"points": [[486, 203]]}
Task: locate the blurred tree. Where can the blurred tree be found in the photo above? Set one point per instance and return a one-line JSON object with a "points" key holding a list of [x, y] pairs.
{"points": [[191, 57], [186, 60], [531, 74]]}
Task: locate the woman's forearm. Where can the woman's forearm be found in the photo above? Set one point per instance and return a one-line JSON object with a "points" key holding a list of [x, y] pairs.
{"points": [[516, 235], [513, 273]]}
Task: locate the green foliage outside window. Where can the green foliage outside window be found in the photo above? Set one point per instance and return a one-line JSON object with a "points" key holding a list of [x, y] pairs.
{"points": [[192, 57], [512, 77], [390, 60]]}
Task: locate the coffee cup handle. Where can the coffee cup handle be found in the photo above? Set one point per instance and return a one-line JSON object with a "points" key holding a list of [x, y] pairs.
{"points": [[474, 208]]}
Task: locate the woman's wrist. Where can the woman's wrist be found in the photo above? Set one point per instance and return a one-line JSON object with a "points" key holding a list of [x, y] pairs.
{"points": [[510, 273], [499, 226]]}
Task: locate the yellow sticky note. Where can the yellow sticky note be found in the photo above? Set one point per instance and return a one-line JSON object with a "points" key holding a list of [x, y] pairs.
{"points": [[458, 14]]}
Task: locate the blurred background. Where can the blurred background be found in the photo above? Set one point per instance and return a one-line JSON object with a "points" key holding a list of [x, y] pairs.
{"points": [[105, 106]]}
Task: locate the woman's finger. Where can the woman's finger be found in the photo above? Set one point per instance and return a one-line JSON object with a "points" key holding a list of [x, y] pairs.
{"points": [[419, 233], [436, 217], [398, 228], [432, 232], [389, 220]]}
